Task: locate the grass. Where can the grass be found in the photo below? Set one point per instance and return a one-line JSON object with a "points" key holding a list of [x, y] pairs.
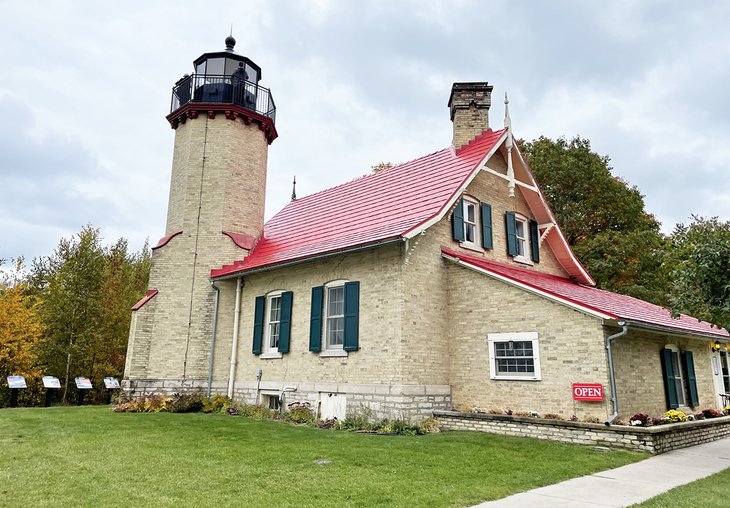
{"points": [[710, 492], [91, 456]]}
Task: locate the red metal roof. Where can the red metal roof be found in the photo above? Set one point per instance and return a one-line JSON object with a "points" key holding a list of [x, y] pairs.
{"points": [[613, 305], [368, 210]]}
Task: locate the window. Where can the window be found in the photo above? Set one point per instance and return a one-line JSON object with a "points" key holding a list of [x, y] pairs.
{"points": [[335, 317], [472, 221], [514, 356], [335, 322], [680, 383], [724, 364], [272, 324], [523, 239]]}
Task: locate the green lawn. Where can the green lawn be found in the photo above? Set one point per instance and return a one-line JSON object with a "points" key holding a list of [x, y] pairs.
{"points": [[710, 492], [91, 456]]}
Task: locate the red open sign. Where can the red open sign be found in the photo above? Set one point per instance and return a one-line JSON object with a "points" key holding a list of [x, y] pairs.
{"points": [[592, 392]]}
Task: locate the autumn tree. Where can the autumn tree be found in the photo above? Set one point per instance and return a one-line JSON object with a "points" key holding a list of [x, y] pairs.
{"points": [[20, 328], [602, 217], [699, 261]]}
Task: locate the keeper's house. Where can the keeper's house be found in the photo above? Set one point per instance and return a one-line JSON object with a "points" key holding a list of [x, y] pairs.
{"points": [[441, 281]]}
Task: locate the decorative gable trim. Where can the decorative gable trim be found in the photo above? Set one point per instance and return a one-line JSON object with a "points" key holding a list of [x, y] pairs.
{"points": [[456, 196], [245, 242], [165, 240], [146, 298]]}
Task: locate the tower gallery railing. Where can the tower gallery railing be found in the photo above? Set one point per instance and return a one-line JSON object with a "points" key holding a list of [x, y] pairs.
{"points": [[223, 90]]}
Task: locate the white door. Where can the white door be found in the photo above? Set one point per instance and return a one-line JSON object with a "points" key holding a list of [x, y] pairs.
{"points": [[721, 375], [332, 405]]}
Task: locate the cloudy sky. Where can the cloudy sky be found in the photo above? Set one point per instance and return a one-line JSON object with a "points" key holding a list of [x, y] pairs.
{"points": [[85, 87]]}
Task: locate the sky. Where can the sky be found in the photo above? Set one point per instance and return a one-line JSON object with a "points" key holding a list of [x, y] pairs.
{"points": [[85, 87]]}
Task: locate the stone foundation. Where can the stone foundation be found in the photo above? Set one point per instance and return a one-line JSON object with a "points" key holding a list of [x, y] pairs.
{"points": [[408, 402], [655, 440]]}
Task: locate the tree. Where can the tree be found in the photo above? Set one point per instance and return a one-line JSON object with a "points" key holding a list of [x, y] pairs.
{"points": [[602, 217], [700, 259]]}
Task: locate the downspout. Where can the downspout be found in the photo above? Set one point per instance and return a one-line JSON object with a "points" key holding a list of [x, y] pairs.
{"points": [[212, 335], [234, 345], [611, 373]]}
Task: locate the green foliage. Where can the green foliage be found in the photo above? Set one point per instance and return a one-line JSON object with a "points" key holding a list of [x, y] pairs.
{"points": [[217, 403], [257, 411], [300, 413], [86, 292], [186, 403], [602, 217], [700, 259]]}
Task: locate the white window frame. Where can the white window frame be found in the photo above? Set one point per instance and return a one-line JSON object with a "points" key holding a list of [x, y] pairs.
{"points": [[523, 242], [724, 361], [269, 352], [494, 338], [327, 348], [475, 243]]}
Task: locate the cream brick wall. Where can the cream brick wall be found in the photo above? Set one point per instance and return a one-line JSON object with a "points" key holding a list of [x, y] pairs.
{"points": [[217, 184], [639, 379], [570, 345]]}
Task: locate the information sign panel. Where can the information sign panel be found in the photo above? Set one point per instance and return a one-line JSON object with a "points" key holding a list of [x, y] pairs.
{"points": [[51, 382], [83, 383], [111, 383], [16, 382]]}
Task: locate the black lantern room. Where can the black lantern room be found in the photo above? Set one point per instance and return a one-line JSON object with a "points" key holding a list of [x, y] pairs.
{"points": [[224, 77]]}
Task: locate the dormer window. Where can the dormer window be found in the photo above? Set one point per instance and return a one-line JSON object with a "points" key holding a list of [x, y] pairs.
{"points": [[523, 240], [472, 224]]}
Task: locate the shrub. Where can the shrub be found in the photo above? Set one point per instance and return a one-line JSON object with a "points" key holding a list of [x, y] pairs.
{"points": [[523, 414], [639, 419], [711, 413], [674, 416], [257, 411], [726, 410], [185, 403], [299, 413], [495, 411], [216, 403], [358, 420], [592, 419], [700, 416], [329, 423], [552, 416], [430, 425], [656, 420]]}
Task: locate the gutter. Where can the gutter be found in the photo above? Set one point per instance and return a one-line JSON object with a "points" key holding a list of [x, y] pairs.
{"points": [[212, 336], [234, 345], [358, 248], [611, 373]]}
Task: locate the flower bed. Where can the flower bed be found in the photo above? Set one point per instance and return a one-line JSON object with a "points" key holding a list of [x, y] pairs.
{"points": [[656, 439]]}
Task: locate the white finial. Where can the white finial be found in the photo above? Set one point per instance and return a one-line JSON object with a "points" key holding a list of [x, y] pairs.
{"points": [[507, 119]]}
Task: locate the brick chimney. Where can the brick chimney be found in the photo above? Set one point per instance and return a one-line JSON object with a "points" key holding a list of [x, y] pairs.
{"points": [[469, 105]]}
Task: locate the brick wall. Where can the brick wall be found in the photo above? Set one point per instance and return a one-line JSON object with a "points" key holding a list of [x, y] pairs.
{"points": [[659, 439]]}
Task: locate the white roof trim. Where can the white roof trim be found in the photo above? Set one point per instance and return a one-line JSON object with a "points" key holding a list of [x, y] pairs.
{"points": [[530, 289], [457, 195]]}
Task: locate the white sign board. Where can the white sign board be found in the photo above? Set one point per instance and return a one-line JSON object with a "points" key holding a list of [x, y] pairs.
{"points": [[16, 382], [111, 383], [83, 383], [51, 382]]}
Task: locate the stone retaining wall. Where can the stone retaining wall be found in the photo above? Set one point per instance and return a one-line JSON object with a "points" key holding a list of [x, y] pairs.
{"points": [[659, 439]]}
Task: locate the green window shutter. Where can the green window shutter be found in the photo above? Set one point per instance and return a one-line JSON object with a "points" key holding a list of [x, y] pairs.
{"points": [[486, 217], [315, 321], [352, 316], [689, 366], [258, 324], [457, 222], [285, 321], [534, 242], [670, 390], [509, 221]]}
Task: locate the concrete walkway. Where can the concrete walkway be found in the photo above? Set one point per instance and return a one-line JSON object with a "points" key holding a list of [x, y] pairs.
{"points": [[629, 484]]}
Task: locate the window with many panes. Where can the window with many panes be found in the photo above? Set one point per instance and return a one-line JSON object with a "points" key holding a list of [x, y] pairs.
{"points": [[273, 322], [514, 356], [521, 236], [677, 377], [334, 330], [470, 222], [725, 366]]}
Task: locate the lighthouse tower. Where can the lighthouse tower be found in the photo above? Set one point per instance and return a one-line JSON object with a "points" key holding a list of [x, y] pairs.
{"points": [[224, 122]]}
